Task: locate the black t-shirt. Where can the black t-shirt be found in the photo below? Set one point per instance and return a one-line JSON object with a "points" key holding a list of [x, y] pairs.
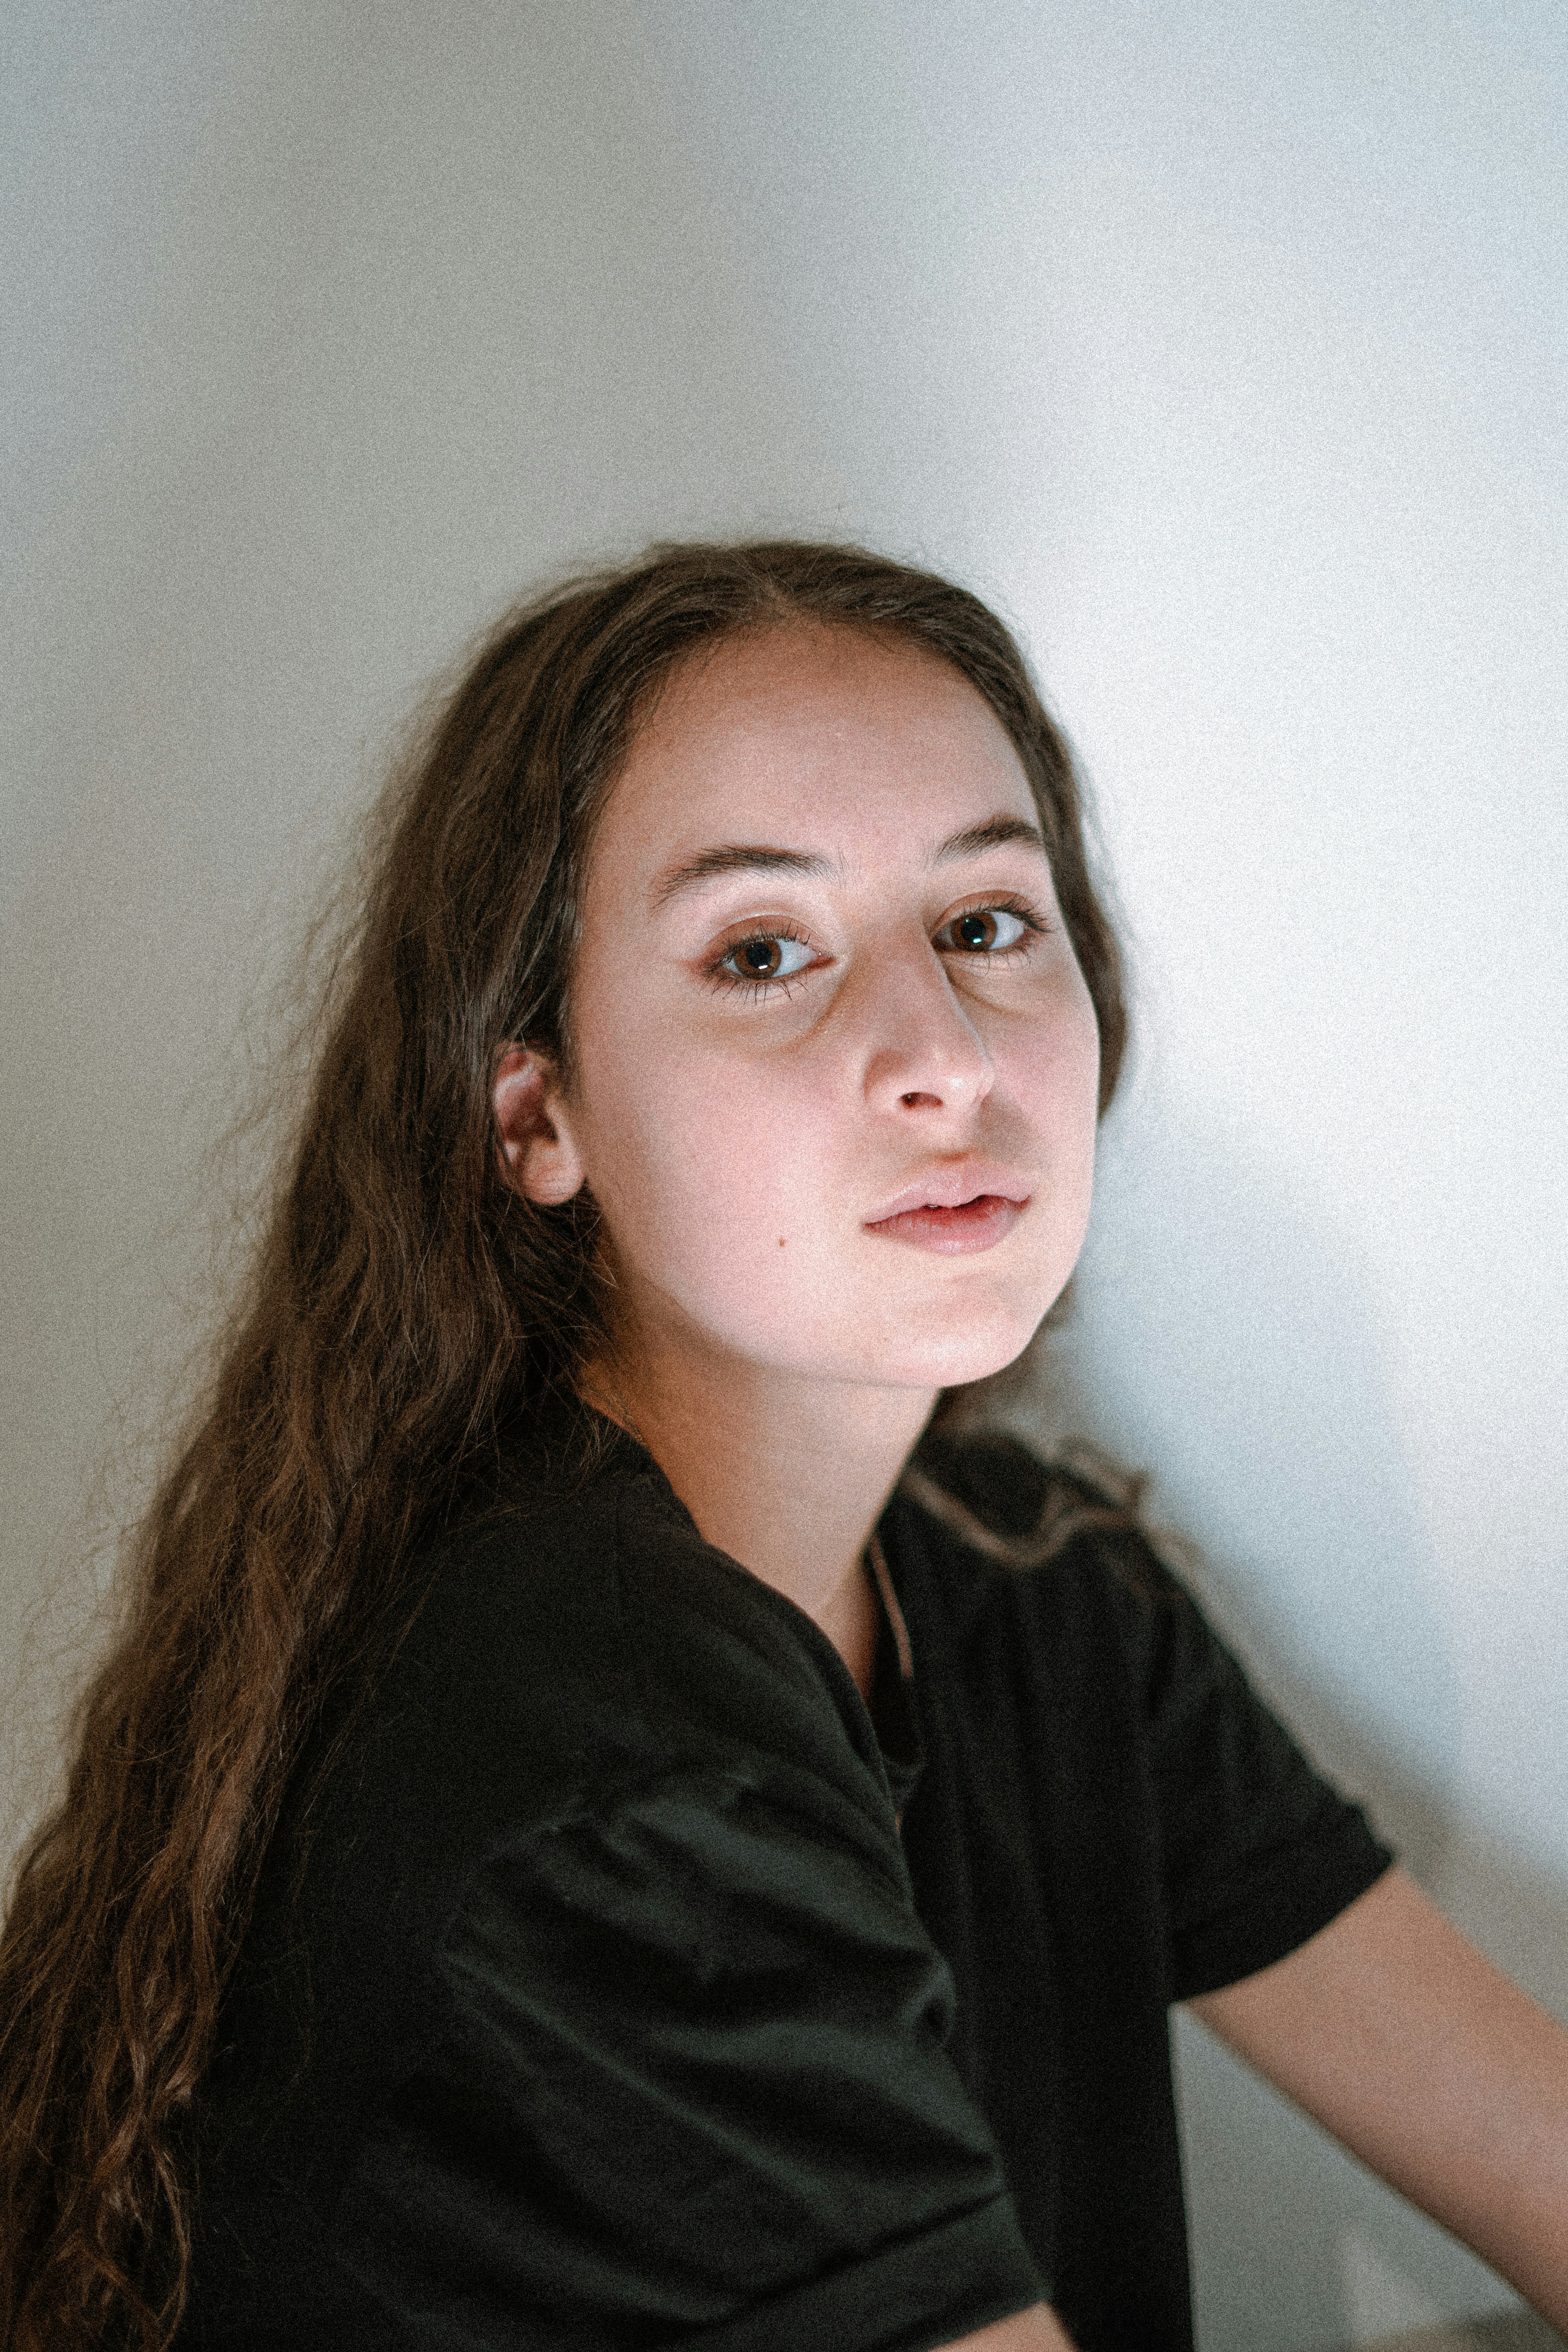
{"points": [[618, 1979]]}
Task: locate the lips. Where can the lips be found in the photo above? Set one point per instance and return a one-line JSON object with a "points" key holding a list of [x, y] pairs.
{"points": [[953, 1186], [954, 1208], [958, 1232]]}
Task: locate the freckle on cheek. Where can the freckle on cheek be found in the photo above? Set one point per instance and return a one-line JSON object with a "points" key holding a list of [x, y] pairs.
{"points": [[781, 1241]]}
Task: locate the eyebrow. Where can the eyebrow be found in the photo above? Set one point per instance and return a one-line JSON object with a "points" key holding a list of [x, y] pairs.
{"points": [[757, 857]]}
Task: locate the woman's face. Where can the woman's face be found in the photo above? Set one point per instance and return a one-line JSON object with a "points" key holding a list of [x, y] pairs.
{"points": [[818, 983]]}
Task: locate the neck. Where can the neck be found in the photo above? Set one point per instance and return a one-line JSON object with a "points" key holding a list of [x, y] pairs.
{"points": [[788, 1474]]}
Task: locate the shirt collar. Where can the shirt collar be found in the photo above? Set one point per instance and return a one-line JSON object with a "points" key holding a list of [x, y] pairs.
{"points": [[894, 1715]]}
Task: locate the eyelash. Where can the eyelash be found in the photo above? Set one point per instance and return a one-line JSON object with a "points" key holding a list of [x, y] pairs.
{"points": [[754, 986]]}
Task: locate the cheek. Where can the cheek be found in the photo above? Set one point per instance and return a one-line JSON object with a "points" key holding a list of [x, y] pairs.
{"points": [[1058, 1085], [1060, 1055], [697, 1162]]}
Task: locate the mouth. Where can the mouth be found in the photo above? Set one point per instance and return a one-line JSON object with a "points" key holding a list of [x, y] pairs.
{"points": [[956, 1183], [954, 1229]]}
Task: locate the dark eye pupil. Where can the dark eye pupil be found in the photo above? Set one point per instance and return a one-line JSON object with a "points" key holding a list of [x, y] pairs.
{"points": [[972, 929], [758, 954]]}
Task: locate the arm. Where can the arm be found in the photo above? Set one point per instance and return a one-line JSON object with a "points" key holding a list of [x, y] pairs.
{"points": [[1397, 2036], [1036, 2330]]}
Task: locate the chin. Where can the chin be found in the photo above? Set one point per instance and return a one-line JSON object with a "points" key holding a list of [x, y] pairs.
{"points": [[959, 1362]]}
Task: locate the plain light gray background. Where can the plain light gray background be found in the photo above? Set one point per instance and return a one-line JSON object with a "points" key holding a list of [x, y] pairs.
{"points": [[1222, 346]]}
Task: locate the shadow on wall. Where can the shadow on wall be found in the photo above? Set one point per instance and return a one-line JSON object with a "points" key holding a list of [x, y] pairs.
{"points": [[1221, 1342]]}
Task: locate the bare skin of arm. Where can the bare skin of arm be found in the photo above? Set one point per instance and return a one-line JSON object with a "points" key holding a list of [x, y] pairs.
{"points": [[1396, 2034], [1036, 2330]]}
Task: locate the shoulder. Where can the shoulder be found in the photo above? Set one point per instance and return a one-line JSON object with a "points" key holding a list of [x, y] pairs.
{"points": [[988, 1524], [1050, 1610], [574, 1685], [571, 1634], [1045, 1568], [597, 1600]]}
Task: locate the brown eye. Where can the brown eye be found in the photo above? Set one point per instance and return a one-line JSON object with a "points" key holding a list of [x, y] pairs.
{"points": [[766, 956], [979, 932]]}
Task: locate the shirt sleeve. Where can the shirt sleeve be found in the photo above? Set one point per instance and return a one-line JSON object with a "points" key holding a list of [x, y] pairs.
{"points": [[1258, 1850], [689, 2086]]}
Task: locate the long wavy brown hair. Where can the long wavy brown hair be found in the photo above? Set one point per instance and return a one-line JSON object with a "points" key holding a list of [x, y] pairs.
{"points": [[403, 1303]]}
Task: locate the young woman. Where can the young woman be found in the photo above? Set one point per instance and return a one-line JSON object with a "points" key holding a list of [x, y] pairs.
{"points": [[621, 1816]]}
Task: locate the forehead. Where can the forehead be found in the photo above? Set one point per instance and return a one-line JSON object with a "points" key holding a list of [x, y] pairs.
{"points": [[805, 726]]}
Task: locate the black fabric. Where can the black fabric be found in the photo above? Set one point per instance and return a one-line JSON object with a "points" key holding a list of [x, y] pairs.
{"points": [[593, 1997], [1110, 1820]]}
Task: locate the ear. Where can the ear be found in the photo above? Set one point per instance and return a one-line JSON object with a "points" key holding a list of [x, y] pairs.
{"points": [[538, 1149]]}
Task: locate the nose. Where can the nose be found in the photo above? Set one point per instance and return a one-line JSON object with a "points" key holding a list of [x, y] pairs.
{"points": [[921, 1049]]}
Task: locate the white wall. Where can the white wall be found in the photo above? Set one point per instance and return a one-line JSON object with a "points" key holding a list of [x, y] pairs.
{"points": [[1222, 346]]}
